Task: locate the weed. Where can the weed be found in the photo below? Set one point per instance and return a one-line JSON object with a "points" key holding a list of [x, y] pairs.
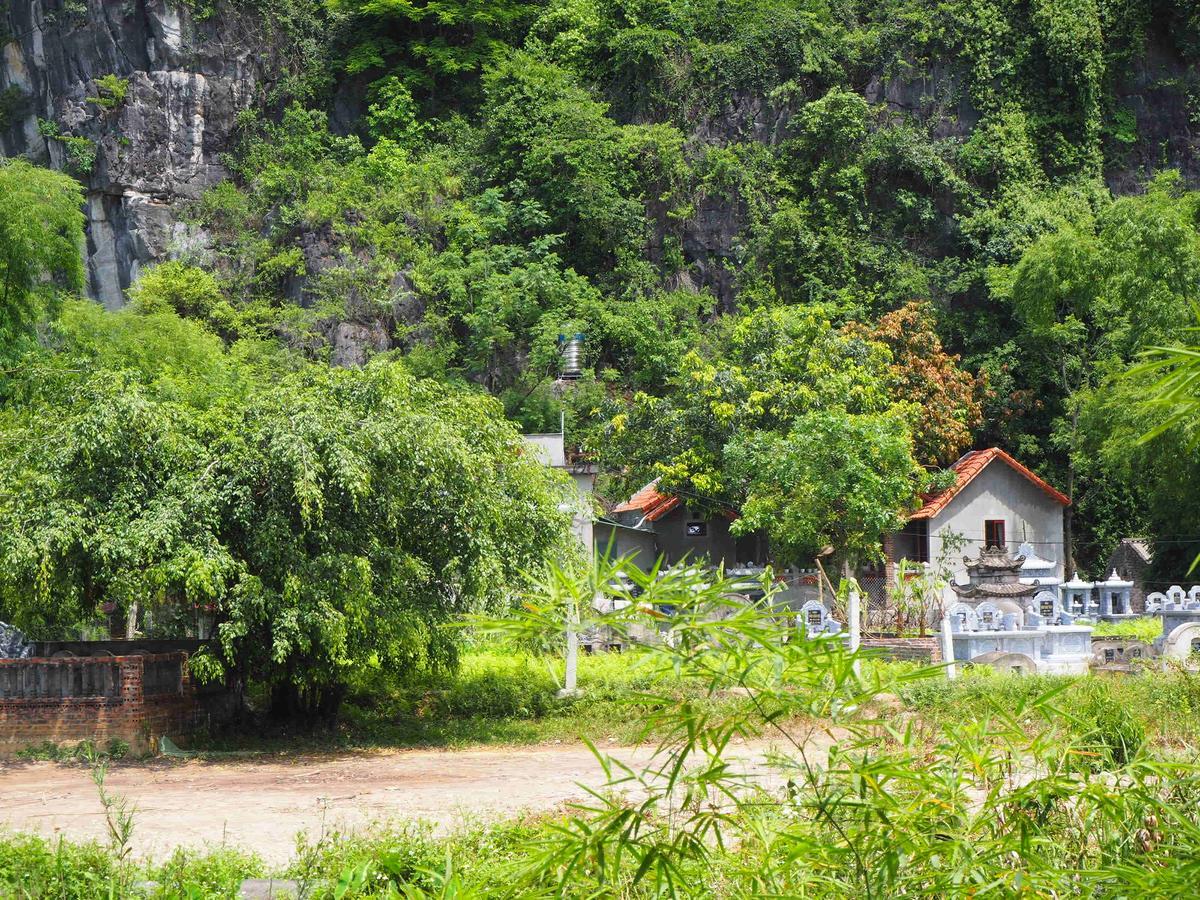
{"points": [[112, 91]]}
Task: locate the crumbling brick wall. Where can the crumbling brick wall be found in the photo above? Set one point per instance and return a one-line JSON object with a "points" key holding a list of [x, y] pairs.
{"points": [[135, 698]]}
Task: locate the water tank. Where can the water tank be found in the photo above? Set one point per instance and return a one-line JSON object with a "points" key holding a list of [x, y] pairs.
{"points": [[572, 356]]}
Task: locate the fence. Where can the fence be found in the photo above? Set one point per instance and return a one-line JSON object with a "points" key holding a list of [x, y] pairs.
{"points": [[134, 698], [43, 679]]}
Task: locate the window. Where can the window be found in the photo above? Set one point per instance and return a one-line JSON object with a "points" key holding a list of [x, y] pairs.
{"points": [[915, 537], [697, 529], [993, 533]]}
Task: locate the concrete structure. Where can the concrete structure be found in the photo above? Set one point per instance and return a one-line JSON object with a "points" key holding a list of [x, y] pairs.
{"points": [[1119, 654], [1037, 569], [551, 451], [1115, 599], [994, 501], [1180, 613], [1077, 596], [1000, 621], [815, 620], [1131, 561]]}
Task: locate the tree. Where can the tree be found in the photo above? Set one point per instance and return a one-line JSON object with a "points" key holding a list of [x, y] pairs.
{"points": [[187, 290], [945, 398], [1093, 294], [332, 519], [785, 418], [41, 246], [834, 479], [1146, 428]]}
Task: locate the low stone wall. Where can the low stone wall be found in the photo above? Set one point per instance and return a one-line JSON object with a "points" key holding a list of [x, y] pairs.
{"points": [[914, 649], [135, 698]]}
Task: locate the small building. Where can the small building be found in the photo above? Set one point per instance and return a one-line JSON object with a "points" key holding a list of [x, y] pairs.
{"points": [[1131, 560], [995, 502], [551, 450], [654, 523]]}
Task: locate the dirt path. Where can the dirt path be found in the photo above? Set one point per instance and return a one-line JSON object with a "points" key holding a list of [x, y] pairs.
{"points": [[262, 805]]}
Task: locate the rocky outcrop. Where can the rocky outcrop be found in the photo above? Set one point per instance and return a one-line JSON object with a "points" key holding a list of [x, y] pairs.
{"points": [[144, 154]]}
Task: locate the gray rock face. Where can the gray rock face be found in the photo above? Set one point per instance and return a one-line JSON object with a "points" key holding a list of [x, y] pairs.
{"points": [[13, 644], [161, 146]]}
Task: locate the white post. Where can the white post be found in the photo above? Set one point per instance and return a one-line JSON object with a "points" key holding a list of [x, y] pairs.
{"points": [[948, 647], [852, 613], [570, 675]]}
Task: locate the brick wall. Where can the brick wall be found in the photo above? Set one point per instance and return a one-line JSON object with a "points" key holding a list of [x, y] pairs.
{"points": [[68, 699], [917, 649]]}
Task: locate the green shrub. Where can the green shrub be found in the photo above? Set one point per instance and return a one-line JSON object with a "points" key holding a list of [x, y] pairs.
{"points": [[1143, 628], [33, 866], [112, 91], [216, 872], [83, 751], [81, 151]]}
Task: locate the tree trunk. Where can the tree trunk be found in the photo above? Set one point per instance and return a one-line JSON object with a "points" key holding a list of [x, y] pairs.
{"points": [[1069, 512]]}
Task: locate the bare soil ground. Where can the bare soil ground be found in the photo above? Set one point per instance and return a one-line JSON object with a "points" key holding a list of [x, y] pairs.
{"points": [[261, 805]]}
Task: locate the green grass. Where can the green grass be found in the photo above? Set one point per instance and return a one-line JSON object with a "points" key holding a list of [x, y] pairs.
{"points": [[1143, 628], [498, 696], [1165, 705], [503, 697]]}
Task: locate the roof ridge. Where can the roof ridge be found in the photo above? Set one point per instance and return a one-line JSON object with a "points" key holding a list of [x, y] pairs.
{"points": [[968, 466]]}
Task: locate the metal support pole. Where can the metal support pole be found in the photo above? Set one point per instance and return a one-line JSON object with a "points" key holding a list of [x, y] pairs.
{"points": [[948, 648]]}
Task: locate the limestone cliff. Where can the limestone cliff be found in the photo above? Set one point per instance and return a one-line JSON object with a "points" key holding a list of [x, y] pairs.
{"points": [[184, 83]]}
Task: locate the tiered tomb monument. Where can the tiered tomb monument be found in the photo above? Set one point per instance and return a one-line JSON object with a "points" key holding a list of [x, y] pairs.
{"points": [[998, 616]]}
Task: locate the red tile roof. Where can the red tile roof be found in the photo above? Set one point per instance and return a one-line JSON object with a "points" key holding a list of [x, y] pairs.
{"points": [[649, 502], [971, 465]]}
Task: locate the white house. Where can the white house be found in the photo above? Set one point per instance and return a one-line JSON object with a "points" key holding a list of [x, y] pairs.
{"points": [[994, 502]]}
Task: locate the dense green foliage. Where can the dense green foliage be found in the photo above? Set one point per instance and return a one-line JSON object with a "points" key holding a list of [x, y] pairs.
{"points": [[41, 242], [329, 519], [661, 175], [895, 782], [814, 248]]}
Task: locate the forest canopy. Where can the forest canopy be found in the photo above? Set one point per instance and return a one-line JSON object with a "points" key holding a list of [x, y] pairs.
{"points": [[816, 251]]}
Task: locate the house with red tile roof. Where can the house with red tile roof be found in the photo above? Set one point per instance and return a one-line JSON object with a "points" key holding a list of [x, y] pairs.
{"points": [[654, 523], [995, 501]]}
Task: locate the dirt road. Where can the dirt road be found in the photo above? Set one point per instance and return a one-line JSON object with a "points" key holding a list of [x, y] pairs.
{"points": [[262, 805]]}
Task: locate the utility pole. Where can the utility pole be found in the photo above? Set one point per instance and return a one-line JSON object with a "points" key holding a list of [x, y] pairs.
{"points": [[948, 647], [570, 676]]}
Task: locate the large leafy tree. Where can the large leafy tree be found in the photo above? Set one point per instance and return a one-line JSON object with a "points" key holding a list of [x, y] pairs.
{"points": [[41, 246], [779, 414], [332, 518], [837, 479], [946, 399], [1092, 294]]}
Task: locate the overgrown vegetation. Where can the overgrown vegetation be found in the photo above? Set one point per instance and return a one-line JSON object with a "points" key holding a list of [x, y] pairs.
{"points": [[999, 784], [110, 92], [331, 518], [666, 176]]}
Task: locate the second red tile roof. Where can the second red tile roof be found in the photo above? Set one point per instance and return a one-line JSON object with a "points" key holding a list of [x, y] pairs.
{"points": [[971, 465]]}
